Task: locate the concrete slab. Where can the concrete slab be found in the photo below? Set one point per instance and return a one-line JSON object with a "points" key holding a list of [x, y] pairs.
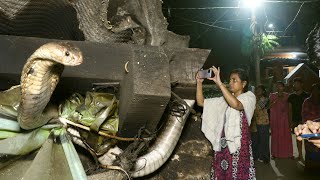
{"points": [[145, 92]]}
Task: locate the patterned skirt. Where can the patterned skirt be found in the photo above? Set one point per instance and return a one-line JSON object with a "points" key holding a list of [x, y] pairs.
{"points": [[239, 165]]}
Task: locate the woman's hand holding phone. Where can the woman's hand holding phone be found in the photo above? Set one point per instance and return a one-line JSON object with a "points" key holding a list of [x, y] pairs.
{"points": [[311, 136], [198, 78], [207, 73], [216, 77], [212, 74], [310, 131]]}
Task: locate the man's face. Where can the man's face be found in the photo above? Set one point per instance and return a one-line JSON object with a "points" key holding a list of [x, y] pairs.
{"points": [[297, 86]]}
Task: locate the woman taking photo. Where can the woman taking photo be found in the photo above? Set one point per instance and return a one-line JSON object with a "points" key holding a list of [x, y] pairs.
{"points": [[225, 123]]}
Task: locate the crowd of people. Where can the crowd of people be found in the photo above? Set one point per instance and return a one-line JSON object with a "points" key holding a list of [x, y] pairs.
{"points": [[286, 112], [240, 123]]}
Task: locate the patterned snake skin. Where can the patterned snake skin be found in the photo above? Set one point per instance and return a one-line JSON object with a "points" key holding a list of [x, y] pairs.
{"points": [[39, 78]]}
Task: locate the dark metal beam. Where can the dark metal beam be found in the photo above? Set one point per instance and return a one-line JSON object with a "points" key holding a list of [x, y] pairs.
{"points": [[102, 62]]}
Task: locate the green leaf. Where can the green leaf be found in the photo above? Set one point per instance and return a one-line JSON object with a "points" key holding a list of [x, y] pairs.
{"points": [[271, 37], [57, 159], [72, 157], [7, 134], [99, 110], [268, 43], [274, 43], [9, 101], [49, 163], [7, 124], [69, 107], [24, 143]]}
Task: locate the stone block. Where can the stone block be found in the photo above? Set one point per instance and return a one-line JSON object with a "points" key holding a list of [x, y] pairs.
{"points": [[144, 92]]}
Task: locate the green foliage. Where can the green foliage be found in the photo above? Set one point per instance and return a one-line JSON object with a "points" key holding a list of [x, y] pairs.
{"points": [[97, 110], [7, 134], [268, 44], [24, 143], [9, 125]]}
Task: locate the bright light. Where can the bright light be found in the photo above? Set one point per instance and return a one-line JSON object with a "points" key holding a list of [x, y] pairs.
{"points": [[270, 26], [294, 55], [252, 3]]}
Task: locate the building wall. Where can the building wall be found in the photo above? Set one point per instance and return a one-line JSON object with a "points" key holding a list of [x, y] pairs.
{"points": [[306, 74]]}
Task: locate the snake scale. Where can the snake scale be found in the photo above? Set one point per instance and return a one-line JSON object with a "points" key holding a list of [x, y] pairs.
{"points": [[39, 78]]}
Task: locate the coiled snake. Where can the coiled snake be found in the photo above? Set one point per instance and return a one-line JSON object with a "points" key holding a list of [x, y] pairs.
{"points": [[39, 78]]}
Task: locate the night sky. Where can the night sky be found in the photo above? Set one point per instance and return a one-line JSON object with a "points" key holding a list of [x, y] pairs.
{"points": [[225, 39]]}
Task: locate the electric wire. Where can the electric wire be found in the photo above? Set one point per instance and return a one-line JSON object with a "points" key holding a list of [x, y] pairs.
{"points": [[293, 19]]}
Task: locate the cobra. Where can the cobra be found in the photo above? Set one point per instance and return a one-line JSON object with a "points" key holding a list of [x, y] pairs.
{"points": [[39, 78]]}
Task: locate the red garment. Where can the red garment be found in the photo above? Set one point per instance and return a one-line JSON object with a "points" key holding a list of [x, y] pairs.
{"points": [[239, 165], [281, 141], [310, 110]]}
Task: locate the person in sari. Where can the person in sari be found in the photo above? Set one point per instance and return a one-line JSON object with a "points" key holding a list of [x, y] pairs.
{"points": [[225, 123], [281, 140]]}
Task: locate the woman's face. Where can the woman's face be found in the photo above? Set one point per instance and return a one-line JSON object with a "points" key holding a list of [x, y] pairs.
{"points": [[235, 83], [280, 87]]}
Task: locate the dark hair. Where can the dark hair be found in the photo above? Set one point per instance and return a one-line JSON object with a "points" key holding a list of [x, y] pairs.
{"points": [[263, 88], [297, 79], [280, 82], [243, 75]]}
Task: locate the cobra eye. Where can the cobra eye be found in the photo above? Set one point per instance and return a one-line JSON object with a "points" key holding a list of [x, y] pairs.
{"points": [[67, 53]]}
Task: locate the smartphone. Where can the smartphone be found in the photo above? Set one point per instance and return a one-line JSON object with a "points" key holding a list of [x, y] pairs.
{"points": [[311, 136], [207, 73]]}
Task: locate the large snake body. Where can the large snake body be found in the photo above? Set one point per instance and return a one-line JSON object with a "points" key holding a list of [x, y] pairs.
{"points": [[39, 78]]}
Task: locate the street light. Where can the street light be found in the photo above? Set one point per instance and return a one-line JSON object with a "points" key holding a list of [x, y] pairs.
{"points": [[270, 26], [252, 4], [294, 55]]}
